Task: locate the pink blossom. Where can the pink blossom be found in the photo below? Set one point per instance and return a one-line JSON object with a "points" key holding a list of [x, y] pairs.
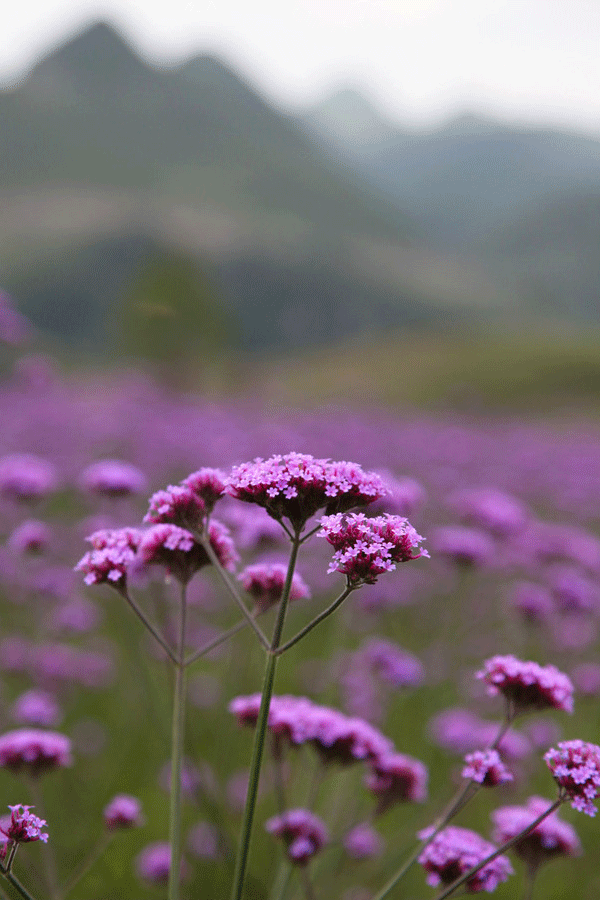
{"points": [[453, 851], [113, 552], [397, 778], [176, 550], [527, 685], [123, 811], [24, 827], [303, 832], [34, 751], [486, 767], [575, 766], [551, 838], [112, 478], [264, 582]]}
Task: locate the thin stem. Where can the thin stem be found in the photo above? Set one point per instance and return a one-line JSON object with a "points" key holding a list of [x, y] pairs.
{"points": [[518, 837], [323, 615], [530, 875], [48, 856], [282, 881], [85, 867], [220, 639], [17, 885], [230, 585], [460, 799], [261, 729], [310, 533], [306, 884], [177, 741], [148, 624]]}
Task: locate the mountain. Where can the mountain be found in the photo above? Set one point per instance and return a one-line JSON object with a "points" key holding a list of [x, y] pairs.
{"points": [[465, 178]]}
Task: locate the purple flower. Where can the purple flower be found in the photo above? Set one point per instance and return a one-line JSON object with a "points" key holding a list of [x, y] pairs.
{"points": [[34, 751], [303, 832], [533, 601], [527, 685], [491, 509], [465, 547], [460, 730], [24, 827], [297, 485], [486, 767], [31, 536], [177, 505], [392, 664], [153, 864], [113, 553], [208, 484], [36, 707], [363, 842], [26, 478], [453, 851], [204, 841], [575, 767], [405, 495], [397, 778], [552, 837], [123, 811], [366, 548], [264, 582], [176, 550], [587, 678], [112, 478]]}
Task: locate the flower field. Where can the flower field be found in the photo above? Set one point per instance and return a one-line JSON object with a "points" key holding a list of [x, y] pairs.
{"points": [[441, 640]]}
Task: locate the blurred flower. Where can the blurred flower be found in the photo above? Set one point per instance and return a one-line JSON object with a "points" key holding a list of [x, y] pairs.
{"points": [[112, 478], [486, 768], [575, 766], [153, 864], [363, 842], [586, 678], [490, 508], [37, 707], [26, 478], [123, 811], [549, 839], [397, 778], [303, 832], [31, 536], [391, 663], [34, 751], [264, 582], [453, 851], [527, 685], [465, 547], [204, 842]]}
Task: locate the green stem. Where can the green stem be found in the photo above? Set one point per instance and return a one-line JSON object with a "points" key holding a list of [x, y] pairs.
{"points": [[530, 875], [282, 881], [219, 639], [484, 862], [261, 729], [177, 741], [326, 612], [229, 584], [17, 885], [148, 624]]}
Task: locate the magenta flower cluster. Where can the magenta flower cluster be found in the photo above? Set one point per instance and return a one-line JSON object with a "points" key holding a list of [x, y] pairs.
{"points": [[365, 548], [176, 550], [397, 778], [123, 811], [303, 832], [453, 851], [188, 503], [486, 768], [264, 582], [575, 766], [34, 751], [297, 485], [23, 826], [527, 685], [551, 837], [113, 552]]}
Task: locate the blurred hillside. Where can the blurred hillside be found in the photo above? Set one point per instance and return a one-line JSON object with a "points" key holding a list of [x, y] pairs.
{"points": [[290, 233]]}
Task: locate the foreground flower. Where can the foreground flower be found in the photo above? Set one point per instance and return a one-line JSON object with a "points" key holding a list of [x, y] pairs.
{"points": [[24, 827], [365, 548], [34, 751], [303, 832], [297, 485], [486, 768], [551, 838], [123, 811], [396, 778], [113, 553], [176, 550], [527, 685], [575, 766], [264, 582], [454, 851]]}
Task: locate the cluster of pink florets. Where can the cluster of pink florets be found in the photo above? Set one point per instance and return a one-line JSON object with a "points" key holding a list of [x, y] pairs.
{"points": [[34, 751], [265, 581], [303, 832], [113, 551], [23, 827], [397, 778], [367, 547], [486, 768], [527, 685], [297, 485], [188, 503], [550, 838], [575, 766], [176, 550], [453, 851]]}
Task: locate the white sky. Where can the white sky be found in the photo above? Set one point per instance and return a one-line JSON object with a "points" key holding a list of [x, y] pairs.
{"points": [[419, 60]]}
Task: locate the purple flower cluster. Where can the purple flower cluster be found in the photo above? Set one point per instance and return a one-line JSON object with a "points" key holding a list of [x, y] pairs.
{"points": [[365, 548], [303, 832], [264, 582], [527, 685], [453, 851], [575, 766], [34, 751], [336, 737], [188, 503], [112, 478], [552, 837], [176, 550], [26, 478], [397, 778], [486, 768], [392, 664], [465, 547], [24, 827], [489, 508], [31, 536], [114, 550], [297, 485], [460, 730], [123, 811], [363, 842]]}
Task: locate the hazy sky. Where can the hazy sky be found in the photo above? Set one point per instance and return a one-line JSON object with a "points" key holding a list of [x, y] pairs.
{"points": [[420, 60]]}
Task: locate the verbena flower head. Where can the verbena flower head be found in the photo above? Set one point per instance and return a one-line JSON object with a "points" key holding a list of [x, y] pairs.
{"points": [[335, 736], [24, 827], [123, 811], [31, 536], [303, 832], [208, 484], [153, 863], [453, 851], [486, 768], [397, 778], [465, 547], [34, 751], [575, 766], [37, 707], [297, 485], [363, 842], [188, 503], [527, 685], [114, 550], [176, 550], [551, 838], [365, 548], [497, 512], [264, 582], [392, 664], [112, 478], [26, 478]]}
